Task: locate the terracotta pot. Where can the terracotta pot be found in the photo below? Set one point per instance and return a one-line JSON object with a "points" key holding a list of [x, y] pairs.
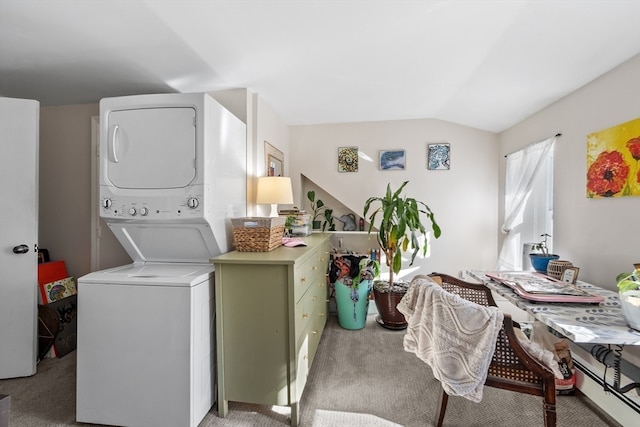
{"points": [[389, 316]]}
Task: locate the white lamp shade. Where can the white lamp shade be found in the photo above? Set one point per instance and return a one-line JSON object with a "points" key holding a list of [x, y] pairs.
{"points": [[274, 190]]}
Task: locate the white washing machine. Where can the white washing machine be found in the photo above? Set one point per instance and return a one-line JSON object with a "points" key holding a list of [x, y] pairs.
{"points": [[172, 175], [145, 345]]}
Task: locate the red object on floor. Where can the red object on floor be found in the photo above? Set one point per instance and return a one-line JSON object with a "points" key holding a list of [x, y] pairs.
{"points": [[50, 272]]}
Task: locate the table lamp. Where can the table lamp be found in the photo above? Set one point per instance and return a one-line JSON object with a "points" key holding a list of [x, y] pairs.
{"points": [[274, 190]]}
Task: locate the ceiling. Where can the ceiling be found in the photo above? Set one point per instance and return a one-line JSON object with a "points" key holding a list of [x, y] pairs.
{"points": [[485, 64]]}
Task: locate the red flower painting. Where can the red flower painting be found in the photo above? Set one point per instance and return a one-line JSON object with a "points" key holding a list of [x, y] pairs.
{"points": [[634, 147], [608, 174], [613, 161]]}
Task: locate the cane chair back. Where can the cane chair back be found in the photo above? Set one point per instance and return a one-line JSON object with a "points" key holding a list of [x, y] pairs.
{"points": [[512, 368]]}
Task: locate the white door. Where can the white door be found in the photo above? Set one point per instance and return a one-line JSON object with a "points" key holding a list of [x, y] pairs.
{"points": [[19, 130]]}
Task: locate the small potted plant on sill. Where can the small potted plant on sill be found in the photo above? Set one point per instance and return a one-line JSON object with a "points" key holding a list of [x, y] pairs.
{"points": [[540, 260], [318, 211], [398, 231], [629, 294]]}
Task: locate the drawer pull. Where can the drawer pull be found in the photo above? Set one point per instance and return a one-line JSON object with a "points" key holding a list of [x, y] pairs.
{"points": [[321, 314], [305, 315], [303, 279], [314, 268], [314, 332], [314, 298]]}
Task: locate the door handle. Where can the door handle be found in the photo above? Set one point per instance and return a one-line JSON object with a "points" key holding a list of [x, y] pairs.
{"points": [[20, 249], [112, 149]]}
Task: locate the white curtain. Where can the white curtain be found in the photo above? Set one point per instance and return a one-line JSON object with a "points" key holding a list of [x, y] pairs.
{"points": [[522, 167]]}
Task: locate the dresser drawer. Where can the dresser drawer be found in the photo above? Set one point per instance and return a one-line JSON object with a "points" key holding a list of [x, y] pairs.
{"points": [[304, 312], [302, 366], [310, 272], [312, 308], [306, 347], [318, 318], [303, 278]]}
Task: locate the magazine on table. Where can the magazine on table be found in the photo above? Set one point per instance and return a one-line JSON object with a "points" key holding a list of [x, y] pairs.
{"points": [[538, 287]]}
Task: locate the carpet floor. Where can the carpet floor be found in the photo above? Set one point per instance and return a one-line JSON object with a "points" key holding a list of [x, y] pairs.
{"points": [[360, 378]]}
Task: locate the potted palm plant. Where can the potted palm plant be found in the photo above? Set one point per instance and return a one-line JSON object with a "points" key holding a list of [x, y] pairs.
{"points": [[399, 228]]}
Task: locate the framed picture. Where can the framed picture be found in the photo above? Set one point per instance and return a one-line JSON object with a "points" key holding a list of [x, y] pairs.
{"points": [[348, 159], [274, 160], [438, 156], [612, 159], [43, 256], [392, 160], [570, 275]]}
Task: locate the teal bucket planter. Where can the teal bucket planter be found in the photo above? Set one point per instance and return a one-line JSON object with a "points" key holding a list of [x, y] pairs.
{"points": [[353, 305]]}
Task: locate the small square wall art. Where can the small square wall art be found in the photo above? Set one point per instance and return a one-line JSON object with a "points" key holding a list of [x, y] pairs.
{"points": [[392, 160], [348, 159], [613, 161], [438, 156]]}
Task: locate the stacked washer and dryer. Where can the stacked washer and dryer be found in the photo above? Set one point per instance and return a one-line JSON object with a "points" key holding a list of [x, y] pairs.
{"points": [[172, 174]]}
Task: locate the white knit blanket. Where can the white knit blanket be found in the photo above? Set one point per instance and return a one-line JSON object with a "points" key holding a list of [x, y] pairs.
{"points": [[454, 336]]}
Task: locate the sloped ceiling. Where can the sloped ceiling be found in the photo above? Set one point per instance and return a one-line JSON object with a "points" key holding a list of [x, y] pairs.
{"points": [[486, 64]]}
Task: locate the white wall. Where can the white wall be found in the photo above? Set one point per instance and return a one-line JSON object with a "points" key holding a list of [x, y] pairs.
{"points": [[65, 185], [463, 198], [601, 236], [269, 128], [263, 124]]}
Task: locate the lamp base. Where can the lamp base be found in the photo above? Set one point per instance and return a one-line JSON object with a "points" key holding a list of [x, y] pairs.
{"points": [[274, 210]]}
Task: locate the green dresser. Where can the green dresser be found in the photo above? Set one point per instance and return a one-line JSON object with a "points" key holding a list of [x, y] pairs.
{"points": [[271, 309]]}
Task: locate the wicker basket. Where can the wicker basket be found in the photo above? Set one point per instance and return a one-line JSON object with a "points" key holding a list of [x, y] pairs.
{"points": [[556, 268], [257, 234]]}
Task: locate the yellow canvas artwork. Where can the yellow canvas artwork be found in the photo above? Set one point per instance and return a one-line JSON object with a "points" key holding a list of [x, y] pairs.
{"points": [[613, 161]]}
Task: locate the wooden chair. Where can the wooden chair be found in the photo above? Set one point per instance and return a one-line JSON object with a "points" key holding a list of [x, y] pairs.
{"points": [[512, 368]]}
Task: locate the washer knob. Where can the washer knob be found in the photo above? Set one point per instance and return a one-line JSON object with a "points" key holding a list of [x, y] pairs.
{"points": [[106, 203], [193, 203], [144, 211], [132, 211]]}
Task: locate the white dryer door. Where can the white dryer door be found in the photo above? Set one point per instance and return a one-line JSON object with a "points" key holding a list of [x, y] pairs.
{"points": [[151, 148]]}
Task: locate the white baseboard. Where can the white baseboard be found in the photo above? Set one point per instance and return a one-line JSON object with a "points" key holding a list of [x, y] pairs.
{"points": [[589, 377]]}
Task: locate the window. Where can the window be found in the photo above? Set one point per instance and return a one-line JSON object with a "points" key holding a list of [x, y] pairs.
{"points": [[538, 211], [528, 203]]}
